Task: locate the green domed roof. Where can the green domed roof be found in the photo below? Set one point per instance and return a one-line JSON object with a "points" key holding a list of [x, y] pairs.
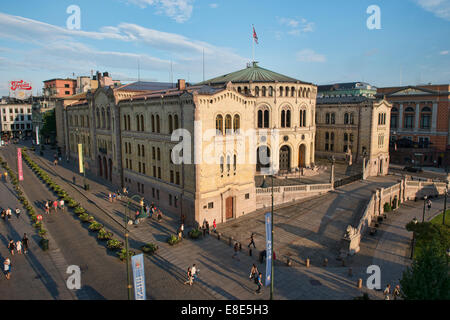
{"points": [[253, 73]]}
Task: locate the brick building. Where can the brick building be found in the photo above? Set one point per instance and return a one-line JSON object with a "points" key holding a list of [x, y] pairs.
{"points": [[419, 124]]}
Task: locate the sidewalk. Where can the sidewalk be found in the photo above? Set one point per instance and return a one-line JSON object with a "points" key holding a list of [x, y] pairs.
{"points": [[37, 275]]}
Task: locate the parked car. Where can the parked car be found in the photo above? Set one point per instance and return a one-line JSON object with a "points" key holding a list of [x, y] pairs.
{"points": [[412, 169]]}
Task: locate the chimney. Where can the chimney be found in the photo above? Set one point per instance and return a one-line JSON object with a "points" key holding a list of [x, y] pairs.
{"points": [[181, 84]]}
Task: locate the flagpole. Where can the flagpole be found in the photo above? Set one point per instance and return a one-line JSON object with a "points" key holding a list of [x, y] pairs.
{"points": [[253, 45]]}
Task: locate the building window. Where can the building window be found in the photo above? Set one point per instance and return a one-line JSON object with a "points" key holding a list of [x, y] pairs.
{"points": [[170, 124], [302, 118], [327, 118], [247, 196], [263, 118], [159, 172], [219, 124], [177, 178], [409, 118], [425, 118], [211, 205], [236, 123], [228, 124], [256, 91], [286, 118], [394, 118]]}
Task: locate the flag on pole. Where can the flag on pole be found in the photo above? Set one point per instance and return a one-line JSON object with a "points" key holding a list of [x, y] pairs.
{"points": [[80, 158], [255, 36], [19, 164]]}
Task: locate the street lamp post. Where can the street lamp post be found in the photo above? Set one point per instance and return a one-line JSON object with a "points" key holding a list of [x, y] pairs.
{"points": [[264, 185], [423, 215], [445, 205], [414, 238]]}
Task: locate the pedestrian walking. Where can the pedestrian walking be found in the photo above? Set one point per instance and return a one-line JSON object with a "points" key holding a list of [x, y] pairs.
{"points": [[207, 227], [47, 207], [61, 204], [429, 204], [147, 211], [387, 292], [6, 176], [11, 247], [3, 214], [252, 241], [74, 180], [182, 230], [236, 251], [25, 243], [19, 247], [159, 216], [9, 213], [110, 197], [214, 226], [253, 273], [194, 272], [189, 277], [114, 197], [17, 213], [55, 205], [7, 268], [259, 283], [55, 162], [204, 228], [396, 292]]}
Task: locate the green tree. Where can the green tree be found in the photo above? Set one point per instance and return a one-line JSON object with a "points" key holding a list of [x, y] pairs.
{"points": [[428, 277], [49, 124]]}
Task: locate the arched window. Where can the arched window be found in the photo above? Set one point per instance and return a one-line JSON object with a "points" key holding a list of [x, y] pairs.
{"points": [[333, 118], [143, 151], [281, 91], [256, 91], [129, 122], [138, 126], [246, 90], [158, 125], [292, 92], [109, 119], [394, 118], [327, 118], [287, 92], [425, 118], [236, 123], [263, 91], [346, 118], [176, 125], [270, 91], [266, 118], [158, 154], [409, 118], [260, 118], [345, 137], [221, 164], [352, 118], [103, 118], [228, 124], [302, 118], [98, 118], [288, 118], [219, 124], [139, 150], [283, 118], [228, 164], [153, 123], [234, 163], [239, 90], [170, 124], [142, 123], [263, 118]]}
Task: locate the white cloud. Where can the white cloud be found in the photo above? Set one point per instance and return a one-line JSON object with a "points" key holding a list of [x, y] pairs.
{"points": [[308, 55], [179, 10], [297, 27], [440, 8], [444, 53]]}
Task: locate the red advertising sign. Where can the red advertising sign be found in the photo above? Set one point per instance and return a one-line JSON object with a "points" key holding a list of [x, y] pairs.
{"points": [[22, 85], [19, 164]]}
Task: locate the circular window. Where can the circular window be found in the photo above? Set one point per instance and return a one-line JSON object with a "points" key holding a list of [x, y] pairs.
{"points": [[303, 137], [285, 138]]}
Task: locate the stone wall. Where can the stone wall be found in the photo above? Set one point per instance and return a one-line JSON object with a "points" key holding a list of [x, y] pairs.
{"points": [[395, 195]]}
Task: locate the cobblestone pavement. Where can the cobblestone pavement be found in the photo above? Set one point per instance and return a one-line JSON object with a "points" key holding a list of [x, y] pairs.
{"points": [[37, 274], [311, 228]]}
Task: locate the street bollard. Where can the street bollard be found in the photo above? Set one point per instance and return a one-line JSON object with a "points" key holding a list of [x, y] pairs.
{"points": [[325, 262], [350, 272], [307, 262], [359, 284]]}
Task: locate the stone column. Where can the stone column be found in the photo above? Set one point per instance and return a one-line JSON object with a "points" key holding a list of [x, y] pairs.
{"points": [[416, 126], [400, 117], [434, 117]]}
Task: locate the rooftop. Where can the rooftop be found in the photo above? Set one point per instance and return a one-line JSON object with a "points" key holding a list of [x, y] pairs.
{"points": [[253, 73], [346, 86]]}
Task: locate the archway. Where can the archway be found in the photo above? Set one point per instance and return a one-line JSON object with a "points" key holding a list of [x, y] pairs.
{"points": [[302, 156], [262, 158], [100, 167], [110, 169], [285, 158], [105, 165]]}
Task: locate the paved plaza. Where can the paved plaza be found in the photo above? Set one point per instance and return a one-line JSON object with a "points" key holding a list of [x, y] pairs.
{"points": [[308, 229]]}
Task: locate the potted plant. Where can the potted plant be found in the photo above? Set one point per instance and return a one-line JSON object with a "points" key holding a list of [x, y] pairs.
{"points": [[104, 235], [173, 240], [114, 244], [149, 248], [123, 254], [195, 233], [95, 226], [79, 210]]}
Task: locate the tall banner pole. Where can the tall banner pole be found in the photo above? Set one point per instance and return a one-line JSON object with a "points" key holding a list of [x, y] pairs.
{"points": [[137, 263], [80, 157], [269, 254], [37, 134], [19, 164]]}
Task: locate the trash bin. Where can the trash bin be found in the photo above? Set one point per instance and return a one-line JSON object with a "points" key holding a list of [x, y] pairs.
{"points": [[44, 244]]}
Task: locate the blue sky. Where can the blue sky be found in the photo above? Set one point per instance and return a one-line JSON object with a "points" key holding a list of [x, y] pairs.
{"points": [[322, 41]]}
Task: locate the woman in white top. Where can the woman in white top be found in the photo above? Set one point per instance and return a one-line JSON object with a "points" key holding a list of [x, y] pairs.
{"points": [[19, 247]]}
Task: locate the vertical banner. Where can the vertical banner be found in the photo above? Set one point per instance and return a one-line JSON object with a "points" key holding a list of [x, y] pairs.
{"points": [[80, 157], [19, 164], [37, 135], [137, 263], [269, 254]]}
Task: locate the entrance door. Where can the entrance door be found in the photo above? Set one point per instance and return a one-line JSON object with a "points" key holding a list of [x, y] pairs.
{"points": [[285, 158], [381, 166], [301, 156], [229, 208]]}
